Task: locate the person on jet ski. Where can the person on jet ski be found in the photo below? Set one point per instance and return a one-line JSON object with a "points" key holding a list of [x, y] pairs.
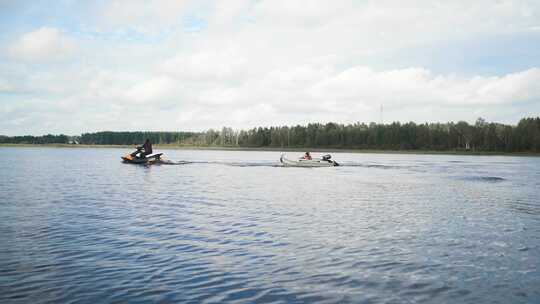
{"points": [[147, 147], [144, 150], [307, 156]]}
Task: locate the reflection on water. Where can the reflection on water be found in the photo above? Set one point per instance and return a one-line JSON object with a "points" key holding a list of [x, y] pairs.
{"points": [[77, 225]]}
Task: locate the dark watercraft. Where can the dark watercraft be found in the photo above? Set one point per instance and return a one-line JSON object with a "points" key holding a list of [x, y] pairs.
{"points": [[148, 159]]}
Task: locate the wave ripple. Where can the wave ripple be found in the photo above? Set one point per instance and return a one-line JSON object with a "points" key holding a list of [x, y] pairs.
{"points": [[226, 227]]}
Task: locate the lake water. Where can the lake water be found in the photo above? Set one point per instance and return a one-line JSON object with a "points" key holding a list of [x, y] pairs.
{"points": [[79, 226]]}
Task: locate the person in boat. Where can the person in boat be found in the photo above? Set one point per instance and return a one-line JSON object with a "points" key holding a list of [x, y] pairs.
{"points": [[144, 150], [307, 156]]}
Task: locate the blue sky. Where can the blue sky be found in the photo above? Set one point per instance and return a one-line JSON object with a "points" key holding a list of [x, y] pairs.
{"points": [[72, 67]]}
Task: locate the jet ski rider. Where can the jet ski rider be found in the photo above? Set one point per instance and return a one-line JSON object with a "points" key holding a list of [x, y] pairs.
{"points": [[144, 150], [307, 156]]}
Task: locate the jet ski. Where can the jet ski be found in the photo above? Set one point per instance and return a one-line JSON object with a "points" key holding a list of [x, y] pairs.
{"points": [[324, 161], [148, 159]]}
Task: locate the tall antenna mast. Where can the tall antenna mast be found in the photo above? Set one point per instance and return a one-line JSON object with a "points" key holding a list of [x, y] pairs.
{"points": [[381, 117]]}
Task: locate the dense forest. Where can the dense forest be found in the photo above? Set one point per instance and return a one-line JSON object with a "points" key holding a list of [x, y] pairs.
{"points": [[134, 138], [461, 136], [28, 139]]}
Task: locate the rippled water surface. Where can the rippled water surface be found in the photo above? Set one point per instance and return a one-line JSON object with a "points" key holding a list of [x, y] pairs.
{"points": [[79, 226]]}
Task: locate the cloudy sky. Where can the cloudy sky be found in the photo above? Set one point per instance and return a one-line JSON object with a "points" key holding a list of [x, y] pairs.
{"points": [[82, 66]]}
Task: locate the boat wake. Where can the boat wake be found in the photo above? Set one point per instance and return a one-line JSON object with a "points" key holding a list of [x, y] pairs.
{"points": [[171, 162], [376, 166], [273, 164], [225, 163]]}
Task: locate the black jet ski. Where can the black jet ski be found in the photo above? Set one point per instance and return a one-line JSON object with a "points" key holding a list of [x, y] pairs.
{"points": [[148, 159]]}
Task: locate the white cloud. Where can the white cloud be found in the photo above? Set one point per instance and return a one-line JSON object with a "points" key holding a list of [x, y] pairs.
{"points": [[203, 65], [299, 94], [302, 94], [45, 43], [269, 62], [224, 12], [5, 86], [419, 86], [515, 87], [145, 16], [152, 90]]}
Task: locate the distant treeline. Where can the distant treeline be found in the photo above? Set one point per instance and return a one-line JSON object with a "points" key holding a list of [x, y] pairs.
{"points": [[461, 136], [28, 139], [134, 138]]}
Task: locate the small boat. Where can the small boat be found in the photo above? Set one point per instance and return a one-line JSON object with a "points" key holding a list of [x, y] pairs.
{"points": [[324, 161], [148, 159]]}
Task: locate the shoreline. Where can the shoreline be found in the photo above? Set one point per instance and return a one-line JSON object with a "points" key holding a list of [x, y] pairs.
{"points": [[277, 149]]}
